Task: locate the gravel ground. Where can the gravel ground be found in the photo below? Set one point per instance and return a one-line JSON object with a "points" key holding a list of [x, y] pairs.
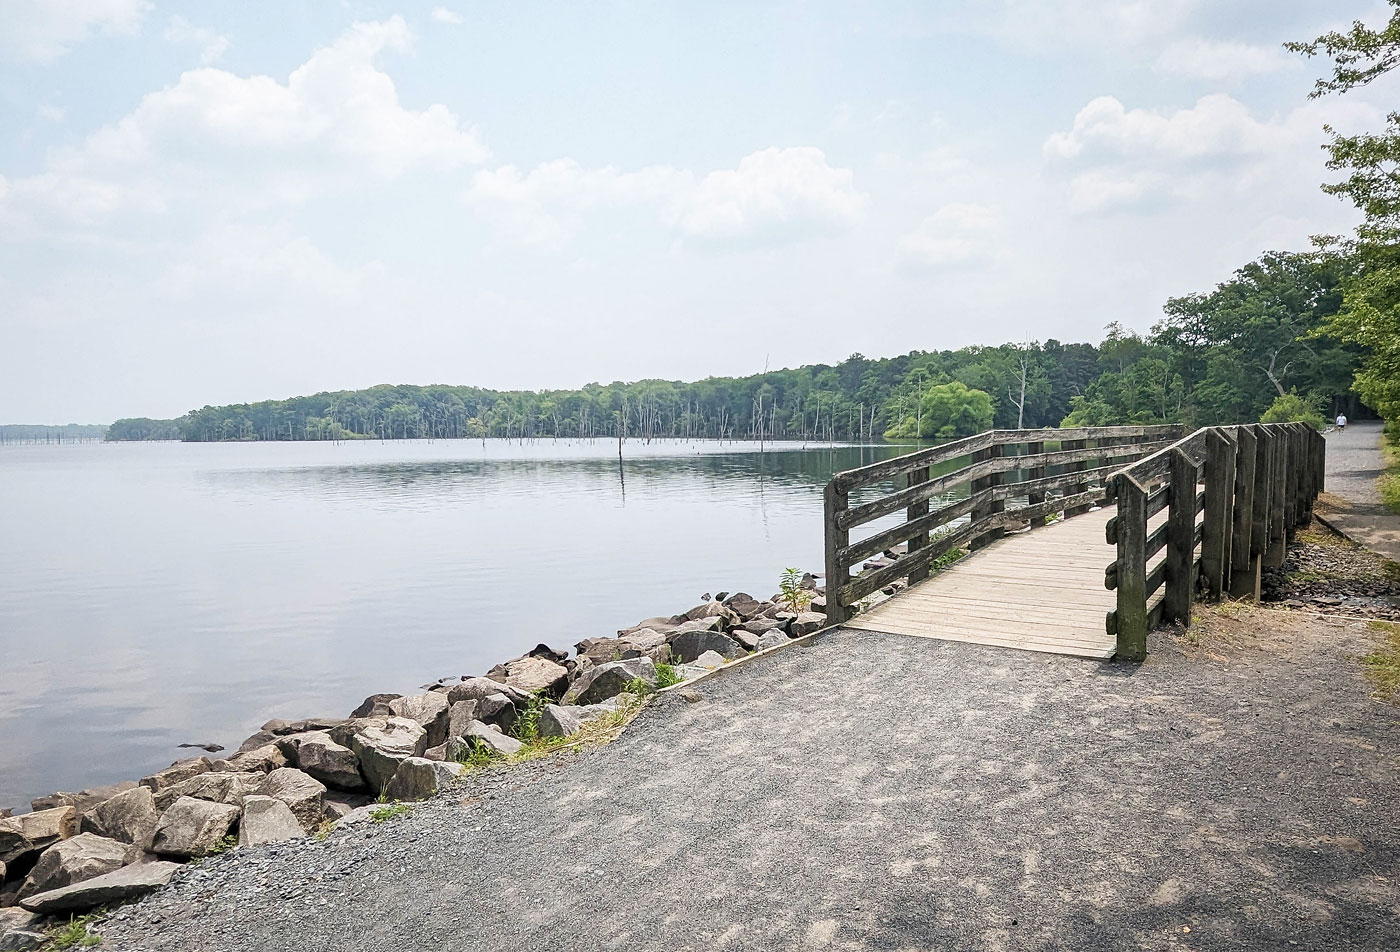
{"points": [[1354, 463], [1327, 572], [1238, 790]]}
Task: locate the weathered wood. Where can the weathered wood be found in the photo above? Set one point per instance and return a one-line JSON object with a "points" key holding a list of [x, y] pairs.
{"points": [[1080, 467], [1277, 552], [1263, 490], [994, 452], [1242, 561], [1292, 493], [834, 500], [1130, 615], [857, 552], [916, 511], [1034, 493], [889, 468], [853, 590], [1181, 525], [1072, 483], [902, 499]]}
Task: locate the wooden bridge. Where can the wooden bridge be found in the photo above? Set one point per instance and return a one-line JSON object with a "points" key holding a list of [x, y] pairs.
{"points": [[1081, 540]]}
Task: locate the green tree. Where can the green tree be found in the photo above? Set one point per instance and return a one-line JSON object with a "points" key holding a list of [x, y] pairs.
{"points": [[1291, 408], [949, 410]]}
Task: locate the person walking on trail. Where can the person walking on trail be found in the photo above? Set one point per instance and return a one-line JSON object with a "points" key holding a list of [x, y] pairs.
{"points": [[1341, 421]]}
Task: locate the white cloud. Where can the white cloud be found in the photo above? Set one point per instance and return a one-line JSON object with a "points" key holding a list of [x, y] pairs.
{"points": [[212, 46], [1217, 124], [444, 15], [51, 112], [773, 196], [1223, 60], [38, 31], [961, 234], [214, 135]]}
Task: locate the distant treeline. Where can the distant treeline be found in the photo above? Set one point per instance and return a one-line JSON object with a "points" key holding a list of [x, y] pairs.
{"points": [[1224, 356], [59, 433]]}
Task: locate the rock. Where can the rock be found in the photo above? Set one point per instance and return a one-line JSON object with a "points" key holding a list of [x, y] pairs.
{"points": [[565, 721], [713, 610], [179, 771], [745, 639], [459, 716], [689, 645], [215, 787], [602, 650], [32, 832], [818, 604], [761, 626], [646, 638], [258, 760], [429, 710], [129, 817], [82, 801], [545, 651], [298, 790], [712, 623], [663, 625], [375, 704], [130, 882], [254, 741], [744, 605], [771, 639], [193, 828], [206, 746], [806, 623], [338, 805], [486, 738], [73, 860], [710, 660], [497, 709], [268, 820], [478, 689], [380, 748], [609, 680], [419, 778], [533, 674], [331, 763], [19, 930], [281, 728], [453, 749]]}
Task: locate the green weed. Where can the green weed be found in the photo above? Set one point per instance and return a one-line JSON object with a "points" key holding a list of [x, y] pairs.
{"points": [[390, 811], [1383, 664], [73, 934]]}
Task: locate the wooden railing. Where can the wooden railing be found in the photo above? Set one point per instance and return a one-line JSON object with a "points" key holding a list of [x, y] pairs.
{"points": [[1233, 497], [904, 485]]}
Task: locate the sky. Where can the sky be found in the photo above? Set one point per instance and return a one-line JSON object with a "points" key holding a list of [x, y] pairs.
{"points": [[206, 202]]}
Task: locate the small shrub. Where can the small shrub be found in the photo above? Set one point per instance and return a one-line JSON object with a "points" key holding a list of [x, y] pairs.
{"points": [[224, 845], [389, 811], [666, 676], [527, 722], [1291, 408], [639, 687], [796, 597], [73, 934], [475, 757]]}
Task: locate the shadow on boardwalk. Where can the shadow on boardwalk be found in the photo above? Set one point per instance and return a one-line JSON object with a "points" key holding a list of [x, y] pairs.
{"points": [[877, 791]]}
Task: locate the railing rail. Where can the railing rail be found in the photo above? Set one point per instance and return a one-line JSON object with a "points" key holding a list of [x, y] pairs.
{"points": [[1088, 456], [1233, 497]]}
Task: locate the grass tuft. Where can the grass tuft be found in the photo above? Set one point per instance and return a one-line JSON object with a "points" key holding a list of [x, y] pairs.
{"points": [[1383, 664], [73, 934], [389, 811]]}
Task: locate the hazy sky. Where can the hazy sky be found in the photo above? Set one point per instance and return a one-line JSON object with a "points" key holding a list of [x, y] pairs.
{"points": [[213, 202]]}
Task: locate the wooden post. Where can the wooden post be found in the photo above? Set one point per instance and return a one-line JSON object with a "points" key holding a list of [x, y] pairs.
{"points": [[1035, 472], [835, 501], [1278, 491], [1131, 613], [995, 451], [1181, 539], [1218, 519], [915, 511], [1244, 566], [1076, 488], [1292, 494]]}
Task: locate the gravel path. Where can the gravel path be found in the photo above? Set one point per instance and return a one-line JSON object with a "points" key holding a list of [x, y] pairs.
{"points": [[877, 791], [1354, 461]]}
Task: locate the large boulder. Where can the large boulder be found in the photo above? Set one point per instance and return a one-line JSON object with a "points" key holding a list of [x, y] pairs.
{"points": [[478, 689], [267, 820], [32, 832], [663, 625], [262, 759], [566, 720], [19, 931], [497, 709], [375, 704], [177, 772], [73, 860], [228, 788], [771, 639], [419, 778], [806, 623], [487, 738], [713, 610], [254, 741], [429, 711], [459, 716], [381, 747], [744, 639], [84, 800], [761, 626], [745, 605], [452, 749], [602, 650], [689, 645], [533, 674], [193, 828], [298, 790], [281, 728], [127, 883], [710, 623], [129, 817], [332, 764], [609, 680]]}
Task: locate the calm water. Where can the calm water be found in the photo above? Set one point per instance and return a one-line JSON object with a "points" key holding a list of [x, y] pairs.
{"points": [[153, 594]]}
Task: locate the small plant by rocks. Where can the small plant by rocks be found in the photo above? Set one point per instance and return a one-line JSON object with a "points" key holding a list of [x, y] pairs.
{"points": [[389, 811], [73, 934]]}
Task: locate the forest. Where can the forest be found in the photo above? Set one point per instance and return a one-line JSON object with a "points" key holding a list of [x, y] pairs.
{"points": [[1230, 354]]}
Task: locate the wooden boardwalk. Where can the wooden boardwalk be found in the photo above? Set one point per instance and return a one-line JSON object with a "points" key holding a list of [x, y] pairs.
{"points": [[1039, 591]]}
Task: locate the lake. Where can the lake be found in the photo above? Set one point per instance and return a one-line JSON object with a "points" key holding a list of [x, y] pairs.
{"points": [[159, 593]]}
